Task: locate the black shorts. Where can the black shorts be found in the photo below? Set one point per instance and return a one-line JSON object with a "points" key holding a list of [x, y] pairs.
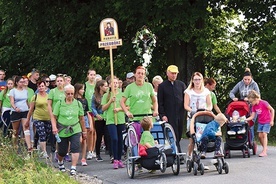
{"points": [[17, 116], [75, 145]]}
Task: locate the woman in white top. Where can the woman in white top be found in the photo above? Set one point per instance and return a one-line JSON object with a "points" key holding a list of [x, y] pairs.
{"points": [[19, 110], [196, 97]]}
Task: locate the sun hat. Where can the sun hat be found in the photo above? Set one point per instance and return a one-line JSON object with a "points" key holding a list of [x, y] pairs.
{"points": [[173, 69]]}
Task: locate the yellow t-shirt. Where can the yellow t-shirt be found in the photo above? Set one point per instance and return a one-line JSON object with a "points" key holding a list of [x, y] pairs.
{"points": [[41, 107]]}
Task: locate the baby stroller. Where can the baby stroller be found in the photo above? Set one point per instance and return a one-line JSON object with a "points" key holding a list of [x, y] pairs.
{"points": [[202, 118], [239, 141], [158, 158]]}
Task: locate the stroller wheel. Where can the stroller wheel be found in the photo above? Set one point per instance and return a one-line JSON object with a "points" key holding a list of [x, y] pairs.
{"points": [[219, 167], [201, 168], [130, 164], [189, 165], [226, 168], [195, 168], [243, 153], [176, 165], [163, 162]]}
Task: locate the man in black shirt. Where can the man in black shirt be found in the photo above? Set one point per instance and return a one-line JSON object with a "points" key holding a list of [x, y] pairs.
{"points": [[33, 79], [170, 97]]}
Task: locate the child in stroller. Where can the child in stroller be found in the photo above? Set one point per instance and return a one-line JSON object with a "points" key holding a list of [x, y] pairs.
{"points": [[236, 125], [212, 132], [206, 136], [155, 150], [243, 139], [147, 138]]}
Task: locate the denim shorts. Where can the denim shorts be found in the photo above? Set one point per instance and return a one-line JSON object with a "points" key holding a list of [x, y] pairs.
{"points": [[264, 127], [87, 125]]}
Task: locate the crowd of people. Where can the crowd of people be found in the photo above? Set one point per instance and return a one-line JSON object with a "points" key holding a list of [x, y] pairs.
{"points": [[80, 118]]}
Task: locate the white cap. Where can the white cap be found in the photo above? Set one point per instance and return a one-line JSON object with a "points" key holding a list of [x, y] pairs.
{"points": [[129, 75], [52, 77]]}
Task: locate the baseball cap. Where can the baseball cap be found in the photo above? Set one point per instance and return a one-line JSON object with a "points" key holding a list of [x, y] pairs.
{"points": [[129, 75], [52, 77], [173, 69]]}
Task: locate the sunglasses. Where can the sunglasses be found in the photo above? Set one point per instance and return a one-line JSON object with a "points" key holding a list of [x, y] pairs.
{"points": [[61, 75], [47, 81]]}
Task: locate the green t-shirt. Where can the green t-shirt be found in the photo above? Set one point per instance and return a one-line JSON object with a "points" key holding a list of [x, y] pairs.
{"points": [[68, 114], [140, 101], [56, 95], [109, 114], [41, 107], [147, 138], [30, 94], [5, 99], [89, 91], [213, 98]]}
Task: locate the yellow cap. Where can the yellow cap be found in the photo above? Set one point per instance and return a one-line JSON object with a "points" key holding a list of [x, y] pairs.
{"points": [[29, 75], [173, 69]]}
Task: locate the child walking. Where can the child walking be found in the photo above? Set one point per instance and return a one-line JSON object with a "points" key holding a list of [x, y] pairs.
{"points": [[79, 91], [265, 118]]}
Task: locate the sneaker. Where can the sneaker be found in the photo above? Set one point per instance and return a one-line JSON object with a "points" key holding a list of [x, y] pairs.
{"points": [[99, 158], [206, 168], [241, 131], [56, 156], [61, 167], [218, 154], [121, 164], [116, 164], [189, 158], [89, 155], [67, 158], [44, 154], [139, 168], [83, 162], [111, 159], [203, 155], [93, 154], [73, 172], [231, 132]]}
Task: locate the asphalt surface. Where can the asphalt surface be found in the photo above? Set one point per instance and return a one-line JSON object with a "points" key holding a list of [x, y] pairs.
{"points": [[241, 170]]}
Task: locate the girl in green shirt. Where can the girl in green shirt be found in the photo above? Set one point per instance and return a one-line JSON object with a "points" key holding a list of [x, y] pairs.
{"points": [[115, 121], [5, 105]]}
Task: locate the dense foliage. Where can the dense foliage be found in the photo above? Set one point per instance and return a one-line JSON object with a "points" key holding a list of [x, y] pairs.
{"points": [[61, 37]]}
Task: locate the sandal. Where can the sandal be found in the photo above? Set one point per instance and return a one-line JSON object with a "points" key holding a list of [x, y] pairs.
{"points": [[73, 172], [61, 167]]}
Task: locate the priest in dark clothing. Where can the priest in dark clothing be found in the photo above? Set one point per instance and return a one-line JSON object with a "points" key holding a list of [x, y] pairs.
{"points": [[170, 97], [33, 78]]}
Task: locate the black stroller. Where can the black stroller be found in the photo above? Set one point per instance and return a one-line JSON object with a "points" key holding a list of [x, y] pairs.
{"points": [[202, 118], [242, 141]]}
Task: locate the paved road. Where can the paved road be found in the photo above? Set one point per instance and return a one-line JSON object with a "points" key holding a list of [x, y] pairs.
{"points": [[242, 170]]}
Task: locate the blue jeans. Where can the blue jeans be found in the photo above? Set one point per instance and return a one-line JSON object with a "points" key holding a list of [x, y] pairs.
{"points": [[116, 136]]}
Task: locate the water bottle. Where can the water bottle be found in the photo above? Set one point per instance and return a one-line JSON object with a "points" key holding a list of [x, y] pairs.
{"points": [[58, 138], [193, 107]]}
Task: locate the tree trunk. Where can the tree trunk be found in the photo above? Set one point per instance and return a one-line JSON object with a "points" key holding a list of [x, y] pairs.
{"points": [[183, 56]]}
